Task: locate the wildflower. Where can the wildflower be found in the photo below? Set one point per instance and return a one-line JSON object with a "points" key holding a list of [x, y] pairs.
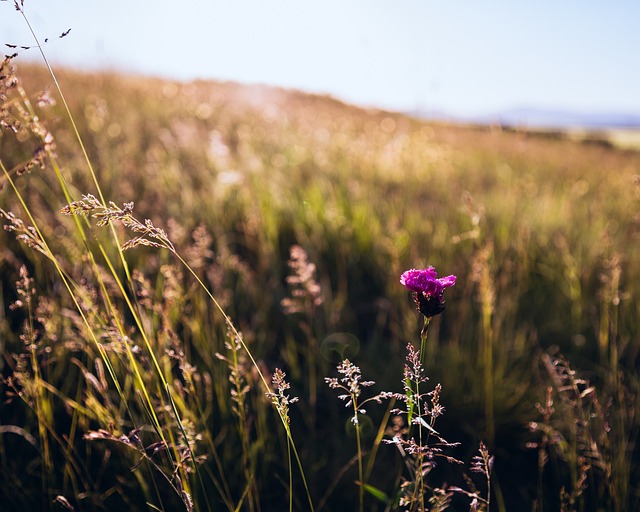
{"points": [[428, 289]]}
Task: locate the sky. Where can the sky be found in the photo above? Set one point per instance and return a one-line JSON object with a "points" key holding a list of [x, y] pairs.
{"points": [[454, 57]]}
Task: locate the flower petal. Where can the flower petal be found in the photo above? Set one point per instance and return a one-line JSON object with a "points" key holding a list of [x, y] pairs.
{"points": [[447, 281]]}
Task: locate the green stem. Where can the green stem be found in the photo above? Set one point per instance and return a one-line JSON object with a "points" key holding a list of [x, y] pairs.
{"points": [[290, 474], [488, 373], [360, 472], [419, 488], [423, 348], [423, 339]]}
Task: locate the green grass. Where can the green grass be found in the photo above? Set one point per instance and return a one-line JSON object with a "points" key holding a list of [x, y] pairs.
{"points": [[542, 232]]}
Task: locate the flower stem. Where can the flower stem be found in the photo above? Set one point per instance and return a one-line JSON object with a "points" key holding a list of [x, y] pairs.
{"points": [[423, 339]]}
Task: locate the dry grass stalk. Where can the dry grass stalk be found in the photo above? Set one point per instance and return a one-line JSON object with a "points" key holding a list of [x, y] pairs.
{"points": [[25, 233], [89, 205], [306, 293], [280, 399], [422, 449]]}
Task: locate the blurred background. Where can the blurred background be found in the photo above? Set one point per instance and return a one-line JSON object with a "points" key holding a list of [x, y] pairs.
{"points": [[552, 63]]}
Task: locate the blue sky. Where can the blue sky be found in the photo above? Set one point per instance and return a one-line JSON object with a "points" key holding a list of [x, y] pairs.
{"points": [[461, 57]]}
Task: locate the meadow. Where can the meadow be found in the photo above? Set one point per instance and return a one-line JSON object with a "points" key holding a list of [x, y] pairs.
{"points": [[171, 354]]}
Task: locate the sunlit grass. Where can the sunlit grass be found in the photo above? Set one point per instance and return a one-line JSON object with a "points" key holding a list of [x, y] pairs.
{"points": [[131, 358]]}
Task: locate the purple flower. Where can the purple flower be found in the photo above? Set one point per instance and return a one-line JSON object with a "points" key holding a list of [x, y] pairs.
{"points": [[428, 289]]}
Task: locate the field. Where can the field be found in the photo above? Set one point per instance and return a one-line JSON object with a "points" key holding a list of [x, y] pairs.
{"points": [[269, 231]]}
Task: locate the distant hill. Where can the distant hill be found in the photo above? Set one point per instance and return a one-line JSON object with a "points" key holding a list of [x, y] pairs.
{"points": [[566, 119], [540, 118]]}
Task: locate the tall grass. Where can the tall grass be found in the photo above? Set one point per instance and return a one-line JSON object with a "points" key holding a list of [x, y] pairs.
{"points": [[144, 360]]}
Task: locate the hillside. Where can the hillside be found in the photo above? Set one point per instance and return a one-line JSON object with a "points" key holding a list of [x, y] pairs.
{"points": [[542, 230]]}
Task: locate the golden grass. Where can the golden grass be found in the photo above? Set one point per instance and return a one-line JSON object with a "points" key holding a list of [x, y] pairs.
{"points": [[131, 365]]}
